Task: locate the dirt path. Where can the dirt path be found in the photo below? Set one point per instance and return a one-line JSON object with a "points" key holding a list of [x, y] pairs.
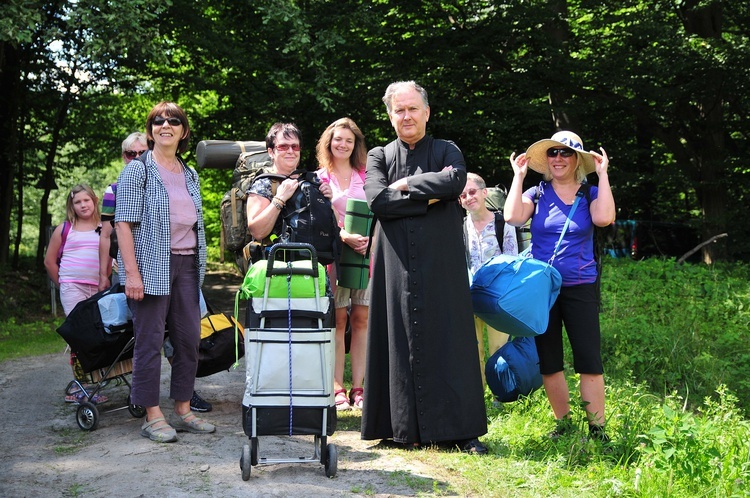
{"points": [[44, 453]]}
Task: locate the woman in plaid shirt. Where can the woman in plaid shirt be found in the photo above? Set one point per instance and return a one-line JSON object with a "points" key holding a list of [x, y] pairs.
{"points": [[159, 218]]}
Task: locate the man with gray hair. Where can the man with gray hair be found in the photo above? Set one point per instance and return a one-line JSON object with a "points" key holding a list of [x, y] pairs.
{"points": [[422, 382]]}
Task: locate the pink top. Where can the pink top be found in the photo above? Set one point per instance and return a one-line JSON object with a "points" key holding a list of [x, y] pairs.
{"points": [[80, 259], [182, 215], [356, 190]]}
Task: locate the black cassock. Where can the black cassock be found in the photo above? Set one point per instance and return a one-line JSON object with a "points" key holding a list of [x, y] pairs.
{"points": [[422, 382]]}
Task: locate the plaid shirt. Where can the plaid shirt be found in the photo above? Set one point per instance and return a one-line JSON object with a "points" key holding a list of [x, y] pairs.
{"points": [[142, 200]]}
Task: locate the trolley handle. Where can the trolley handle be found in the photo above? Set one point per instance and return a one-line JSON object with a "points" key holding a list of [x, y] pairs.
{"points": [[299, 247]]}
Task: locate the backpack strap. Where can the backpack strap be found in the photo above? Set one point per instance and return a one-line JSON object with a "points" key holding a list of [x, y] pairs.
{"points": [[64, 236], [499, 229]]}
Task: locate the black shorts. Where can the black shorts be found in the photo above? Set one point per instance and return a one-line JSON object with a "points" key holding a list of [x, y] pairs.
{"points": [[576, 307]]}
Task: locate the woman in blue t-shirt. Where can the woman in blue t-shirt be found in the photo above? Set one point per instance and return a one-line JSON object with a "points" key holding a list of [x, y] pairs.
{"points": [[564, 164]]}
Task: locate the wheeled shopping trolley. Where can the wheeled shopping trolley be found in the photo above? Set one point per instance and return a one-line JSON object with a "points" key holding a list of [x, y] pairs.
{"points": [[289, 358], [88, 413], [100, 333]]}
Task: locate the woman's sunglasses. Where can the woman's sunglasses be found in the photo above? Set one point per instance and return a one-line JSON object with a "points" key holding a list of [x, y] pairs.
{"points": [[158, 121], [471, 192], [132, 154], [563, 152]]}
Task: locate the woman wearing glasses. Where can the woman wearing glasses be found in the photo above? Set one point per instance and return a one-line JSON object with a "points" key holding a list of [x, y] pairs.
{"points": [[268, 196], [133, 146], [159, 222], [485, 235], [564, 164]]}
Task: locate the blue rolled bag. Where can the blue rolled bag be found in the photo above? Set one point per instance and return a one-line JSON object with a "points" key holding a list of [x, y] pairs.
{"points": [[514, 294], [513, 370]]}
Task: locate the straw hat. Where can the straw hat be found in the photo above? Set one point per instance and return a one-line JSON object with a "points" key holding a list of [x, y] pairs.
{"points": [[537, 152]]}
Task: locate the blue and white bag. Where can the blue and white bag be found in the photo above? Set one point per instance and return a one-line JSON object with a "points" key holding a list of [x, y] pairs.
{"points": [[514, 294]]}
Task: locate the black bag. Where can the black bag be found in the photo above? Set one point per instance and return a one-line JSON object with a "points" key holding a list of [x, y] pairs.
{"points": [[217, 351], [309, 218], [84, 331]]}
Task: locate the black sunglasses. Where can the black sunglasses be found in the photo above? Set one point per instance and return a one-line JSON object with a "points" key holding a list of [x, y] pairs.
{"points": [[563, 152], [132, 154], [158, 121]]}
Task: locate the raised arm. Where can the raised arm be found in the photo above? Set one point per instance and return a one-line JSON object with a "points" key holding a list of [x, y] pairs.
{"points": [[602, 209], [518, 209]]}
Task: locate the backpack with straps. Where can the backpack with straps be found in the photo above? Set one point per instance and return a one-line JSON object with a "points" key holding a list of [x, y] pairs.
{"points": [[308, 217], [233, 207]]}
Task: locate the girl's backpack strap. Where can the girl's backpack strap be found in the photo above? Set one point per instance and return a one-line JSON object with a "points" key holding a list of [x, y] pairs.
{"points": [[64, 236]]}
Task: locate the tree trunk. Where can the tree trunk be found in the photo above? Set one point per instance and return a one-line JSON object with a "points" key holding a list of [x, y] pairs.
{"points": [[710, 154], [10, 77]]}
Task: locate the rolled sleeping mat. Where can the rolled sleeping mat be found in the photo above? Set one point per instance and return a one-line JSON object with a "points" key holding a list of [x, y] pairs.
{"points": [[355, 268], [223, 154]]}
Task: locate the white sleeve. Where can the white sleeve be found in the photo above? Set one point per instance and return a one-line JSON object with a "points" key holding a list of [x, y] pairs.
{"points": [[510, 243]]}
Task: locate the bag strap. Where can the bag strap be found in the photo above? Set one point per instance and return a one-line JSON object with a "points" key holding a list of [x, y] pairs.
{"points": [[64, 236], [579, 194]]}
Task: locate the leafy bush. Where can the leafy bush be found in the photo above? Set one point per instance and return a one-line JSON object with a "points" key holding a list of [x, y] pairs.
{"points": [[680, 328]]}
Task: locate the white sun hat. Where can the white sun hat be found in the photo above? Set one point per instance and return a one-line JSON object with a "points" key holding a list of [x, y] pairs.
{"points": [[537, 152]]}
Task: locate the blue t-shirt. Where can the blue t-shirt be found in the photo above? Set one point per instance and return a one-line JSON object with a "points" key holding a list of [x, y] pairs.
{"points": [[575, 258]]}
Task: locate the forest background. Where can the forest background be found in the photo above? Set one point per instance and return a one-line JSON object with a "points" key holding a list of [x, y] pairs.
{"points": [[661, 84]]}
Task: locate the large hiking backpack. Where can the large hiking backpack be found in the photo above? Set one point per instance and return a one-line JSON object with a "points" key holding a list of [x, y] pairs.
{"points": [[308, 217], [234, 203]]}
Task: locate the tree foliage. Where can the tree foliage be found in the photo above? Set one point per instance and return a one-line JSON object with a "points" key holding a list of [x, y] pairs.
{"points": [[661, 84]]}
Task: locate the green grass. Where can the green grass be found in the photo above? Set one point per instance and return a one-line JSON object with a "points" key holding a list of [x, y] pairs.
{"points": [[677, 368], [18, 340]]}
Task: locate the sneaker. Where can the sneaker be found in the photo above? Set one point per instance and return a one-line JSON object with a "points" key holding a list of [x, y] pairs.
{"points": [[474, 446], [198, 404], [596, 432], [190, 422], [78, 397], [562, 426]]}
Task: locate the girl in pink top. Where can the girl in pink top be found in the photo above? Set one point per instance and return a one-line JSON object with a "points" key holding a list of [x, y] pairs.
{"points": [[77, 274], [342, 154]]}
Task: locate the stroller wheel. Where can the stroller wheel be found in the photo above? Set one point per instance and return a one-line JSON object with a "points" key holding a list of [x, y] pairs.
{"points": [[245, 463], [137, 411], [332, 460], [87, 416]]}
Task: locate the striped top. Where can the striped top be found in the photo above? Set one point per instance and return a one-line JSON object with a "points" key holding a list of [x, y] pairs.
{"points": [[108, 202], [80, 260]]}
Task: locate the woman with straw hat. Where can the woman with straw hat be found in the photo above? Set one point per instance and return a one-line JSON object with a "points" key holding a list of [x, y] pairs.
{"points": [[564, 164]]}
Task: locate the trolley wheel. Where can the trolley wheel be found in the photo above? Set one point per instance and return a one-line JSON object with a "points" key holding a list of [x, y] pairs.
{"points": [[253, 451], [87, 416], [137, 411], [245, 463], [332, 460]]}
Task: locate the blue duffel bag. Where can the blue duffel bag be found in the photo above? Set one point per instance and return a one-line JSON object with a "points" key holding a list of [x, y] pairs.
{"points": [[513, 370], [514, 294]]}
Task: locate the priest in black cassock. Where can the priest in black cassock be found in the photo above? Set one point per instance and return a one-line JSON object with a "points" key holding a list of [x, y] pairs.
{"points": [[422, 383]]}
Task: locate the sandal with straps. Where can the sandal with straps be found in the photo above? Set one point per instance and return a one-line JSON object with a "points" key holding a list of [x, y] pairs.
{"points": [[357, 397], [342, 402]]}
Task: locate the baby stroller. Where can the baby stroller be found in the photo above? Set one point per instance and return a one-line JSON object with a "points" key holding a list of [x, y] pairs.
{"points": [[289, 356], [100, 333]]}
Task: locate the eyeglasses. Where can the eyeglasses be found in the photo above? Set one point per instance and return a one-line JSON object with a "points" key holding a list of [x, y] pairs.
{"points": [[471, 192], [563, 152], [285, 147], [132, 154], [159, 121]]}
